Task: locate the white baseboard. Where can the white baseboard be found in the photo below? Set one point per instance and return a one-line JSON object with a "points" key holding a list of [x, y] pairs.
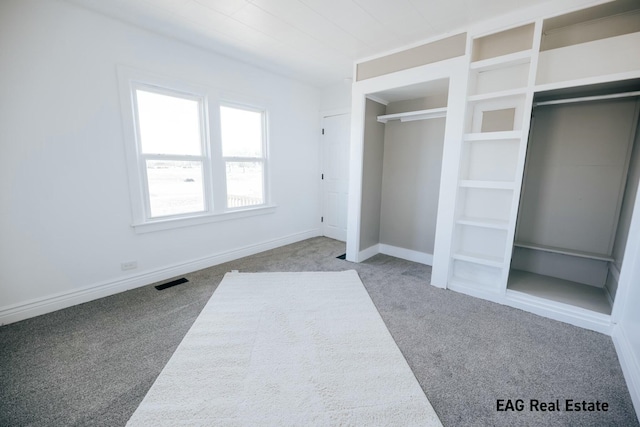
{"points": [[566, 313], [58, 301], [369, 252], [395, 251], [408, 254], [630, 364]]}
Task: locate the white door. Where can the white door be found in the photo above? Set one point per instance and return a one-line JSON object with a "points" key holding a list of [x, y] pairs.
{"points": [[335, 175]]}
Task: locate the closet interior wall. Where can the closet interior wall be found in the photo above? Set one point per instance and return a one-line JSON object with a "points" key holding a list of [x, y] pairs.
{"points": [[402, 163], [579, 186]]}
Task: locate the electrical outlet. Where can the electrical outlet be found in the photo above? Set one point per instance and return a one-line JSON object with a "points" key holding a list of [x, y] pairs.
{"points": [[129, 265]]}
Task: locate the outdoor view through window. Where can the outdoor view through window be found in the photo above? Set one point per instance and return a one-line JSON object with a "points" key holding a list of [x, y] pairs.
{"points": [[172, 150], [242, 151]]}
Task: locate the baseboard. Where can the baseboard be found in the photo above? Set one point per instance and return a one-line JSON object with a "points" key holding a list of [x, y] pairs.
{"points": [[369, 252], [566, 313], [408, 254], [629, 363], [38, 306]]}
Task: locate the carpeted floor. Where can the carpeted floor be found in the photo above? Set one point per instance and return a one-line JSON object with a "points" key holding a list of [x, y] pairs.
{"points": [[93, 363], [286, 349]]}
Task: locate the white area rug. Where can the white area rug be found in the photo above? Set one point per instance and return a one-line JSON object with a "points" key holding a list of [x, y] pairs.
{"points": [[287, 349]]}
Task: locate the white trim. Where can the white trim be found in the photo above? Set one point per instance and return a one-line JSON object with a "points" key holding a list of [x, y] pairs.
{"points": [[377, 99], [565, 313], [408, 254], [629, 362], [168, 224], [39, 306], [562, 312], [369, 252]]}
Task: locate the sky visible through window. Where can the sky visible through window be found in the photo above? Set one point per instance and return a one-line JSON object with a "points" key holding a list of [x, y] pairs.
{"points": [[168, 124], [241, 132]]}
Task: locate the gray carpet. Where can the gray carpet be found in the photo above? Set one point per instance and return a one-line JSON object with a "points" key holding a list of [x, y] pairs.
{"points": [[93, 363]]}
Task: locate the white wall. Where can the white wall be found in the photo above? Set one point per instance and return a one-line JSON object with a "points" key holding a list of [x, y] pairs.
{"points": [[65, 209], [336, 97]]}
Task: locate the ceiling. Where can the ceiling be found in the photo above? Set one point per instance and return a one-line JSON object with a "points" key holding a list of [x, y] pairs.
{"points": [[316, 41]]}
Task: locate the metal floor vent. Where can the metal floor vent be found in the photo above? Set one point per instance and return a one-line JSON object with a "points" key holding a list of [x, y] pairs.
{"points": [[172, 283]]}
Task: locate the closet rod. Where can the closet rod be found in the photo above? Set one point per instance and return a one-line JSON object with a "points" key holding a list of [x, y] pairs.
{"points": [[589, 98]]}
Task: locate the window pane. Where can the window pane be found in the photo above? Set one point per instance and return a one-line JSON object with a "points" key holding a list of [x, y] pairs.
{"points": [[175, 187], [168, 124], [241, 132], [244, 184]]}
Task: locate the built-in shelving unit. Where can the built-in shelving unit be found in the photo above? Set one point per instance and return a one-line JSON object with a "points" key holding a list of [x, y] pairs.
{"points": [[501, 80]]}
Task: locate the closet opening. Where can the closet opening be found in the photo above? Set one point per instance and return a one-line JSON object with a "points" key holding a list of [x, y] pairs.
{"points": [[404, 131], [579, 187]]}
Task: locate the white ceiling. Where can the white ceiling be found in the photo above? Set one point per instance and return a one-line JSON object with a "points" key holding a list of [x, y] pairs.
{"points": [[316, 41]]}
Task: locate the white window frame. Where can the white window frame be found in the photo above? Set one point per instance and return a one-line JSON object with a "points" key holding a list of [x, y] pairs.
{"points": [[213, 166], [204, 158], [262, 159]]}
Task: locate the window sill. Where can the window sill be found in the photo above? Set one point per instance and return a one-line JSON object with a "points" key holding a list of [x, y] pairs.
{"points": [[171, 223]]}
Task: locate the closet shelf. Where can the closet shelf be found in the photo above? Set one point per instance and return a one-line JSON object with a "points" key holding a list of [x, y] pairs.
{"points": [[564, 251], [497, 95], [496, 224], [482, 259], [491, 185], [493, 136], [410, 116], [502, 61]]}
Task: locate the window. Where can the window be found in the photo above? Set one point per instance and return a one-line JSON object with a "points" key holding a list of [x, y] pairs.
{"points": [[243, 155], [191, 157], [169, 129]]}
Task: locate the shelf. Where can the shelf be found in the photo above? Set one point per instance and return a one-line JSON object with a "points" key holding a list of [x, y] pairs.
{"points": [[502, 61], [495, 224], [493, 136], [564, 251], [560, 290], [497, 95], [479, 259], [492, 185], [410, 116]]}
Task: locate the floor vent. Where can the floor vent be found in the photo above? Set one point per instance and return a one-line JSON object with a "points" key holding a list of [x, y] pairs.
{"points": [[172, 283]]}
